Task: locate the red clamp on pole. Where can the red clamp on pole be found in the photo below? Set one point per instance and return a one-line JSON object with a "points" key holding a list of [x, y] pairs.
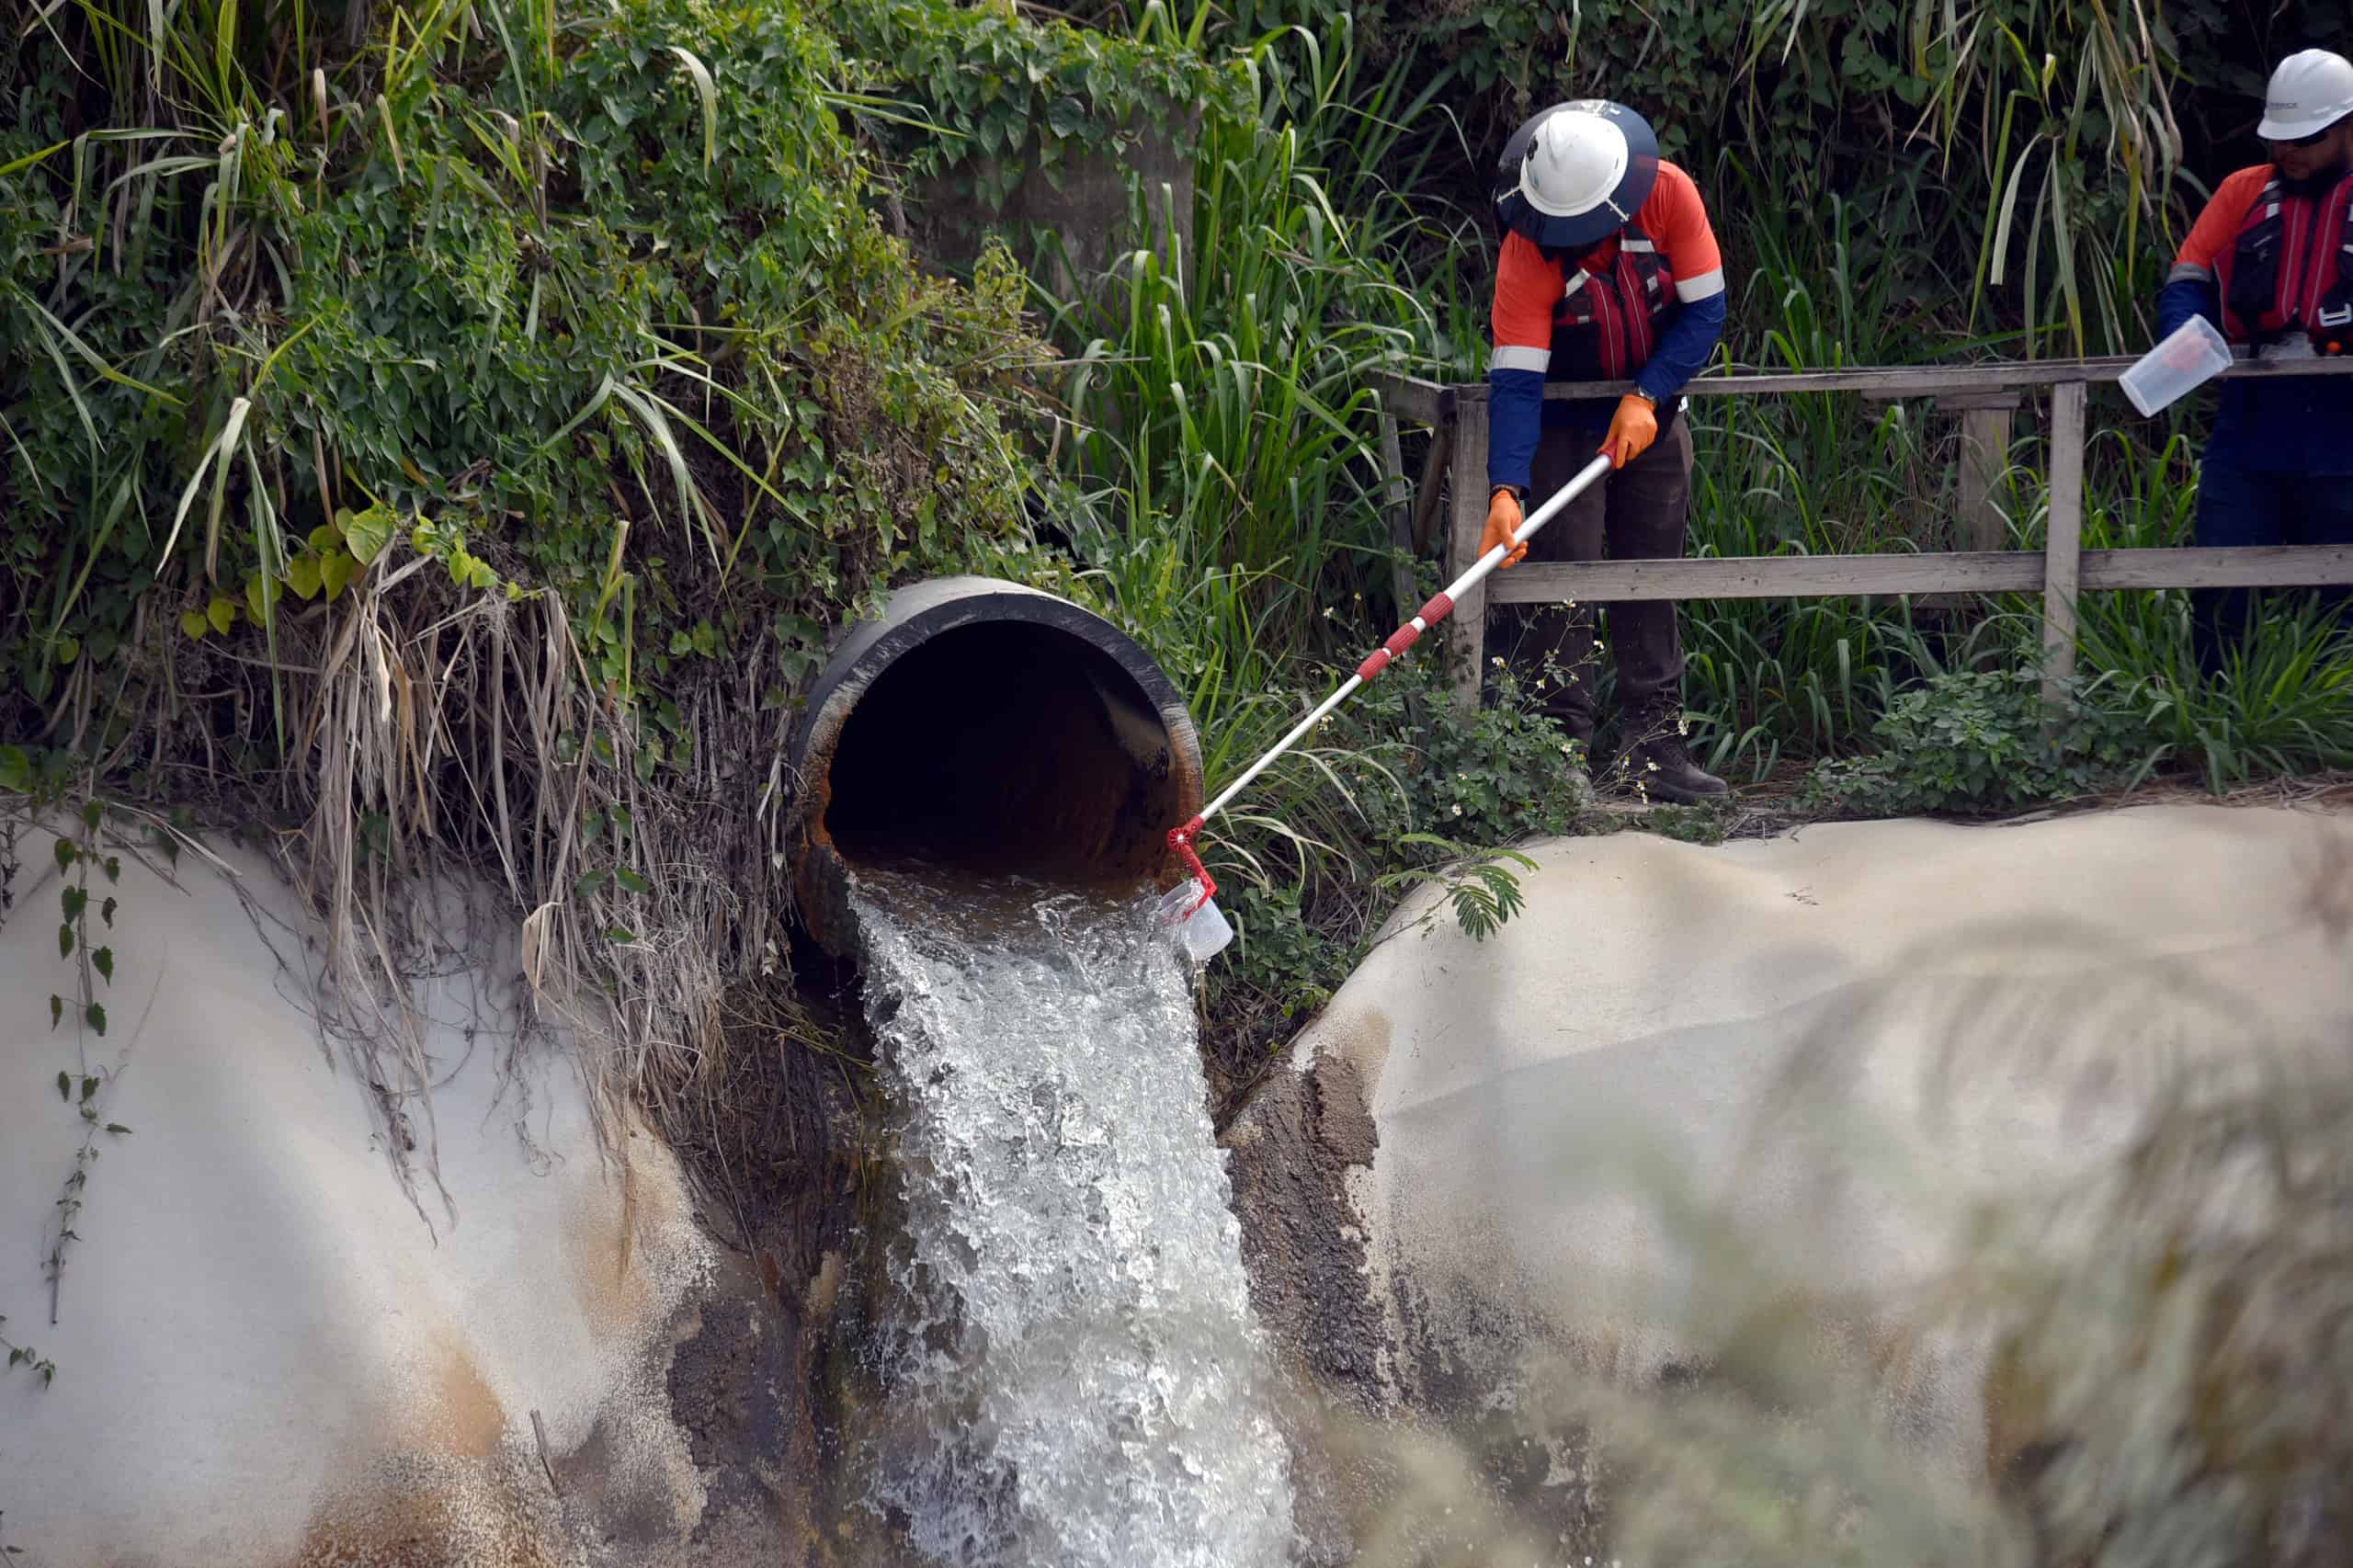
{"points": [[1180, 842]]}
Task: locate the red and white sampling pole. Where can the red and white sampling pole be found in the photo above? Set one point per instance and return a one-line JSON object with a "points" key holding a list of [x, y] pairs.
{"points": [[1181, 839]]}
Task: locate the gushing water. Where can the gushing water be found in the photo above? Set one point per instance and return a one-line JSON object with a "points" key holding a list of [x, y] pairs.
{"points": [[1088, 1383]]}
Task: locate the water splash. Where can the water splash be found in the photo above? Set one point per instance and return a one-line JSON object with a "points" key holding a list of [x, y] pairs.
{"points": [[1080, 1354]]}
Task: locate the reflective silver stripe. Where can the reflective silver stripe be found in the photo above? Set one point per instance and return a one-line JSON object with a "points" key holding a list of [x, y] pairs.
{"points": [[1640, 248], [1705, 286], [1512, 358], [2189, 271], [1579, 281]]}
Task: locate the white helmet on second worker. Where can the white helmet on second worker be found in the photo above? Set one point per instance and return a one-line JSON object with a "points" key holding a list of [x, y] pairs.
{"points": [[1576, 174], [2311, 90]]}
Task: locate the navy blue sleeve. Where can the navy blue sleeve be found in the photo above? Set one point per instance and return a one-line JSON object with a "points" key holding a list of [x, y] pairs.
{"points": [[1515, 420], [1684, 347], [2183, 297]]}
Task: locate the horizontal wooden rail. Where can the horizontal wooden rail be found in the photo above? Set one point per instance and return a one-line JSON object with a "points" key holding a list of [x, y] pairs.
{"points": [[1964, 571], [1431, 403], [1984, 397]]}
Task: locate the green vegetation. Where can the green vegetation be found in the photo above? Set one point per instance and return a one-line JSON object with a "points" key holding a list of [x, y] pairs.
{"points": [[572, 374], [420, 442], [429, 428]]}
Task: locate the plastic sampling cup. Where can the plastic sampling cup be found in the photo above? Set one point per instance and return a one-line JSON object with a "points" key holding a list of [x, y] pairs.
{"points": [[1203, 934], [2192, 354]]}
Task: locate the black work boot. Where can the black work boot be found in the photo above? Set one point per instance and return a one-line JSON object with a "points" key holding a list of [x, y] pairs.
{"points": [[1656, 762]]}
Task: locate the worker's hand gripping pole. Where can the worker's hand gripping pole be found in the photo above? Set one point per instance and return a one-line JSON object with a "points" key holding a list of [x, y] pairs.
{"points": [[1181, 839]]}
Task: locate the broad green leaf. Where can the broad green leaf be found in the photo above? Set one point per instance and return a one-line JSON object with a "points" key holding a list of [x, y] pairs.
{"points": [[16, 769], [631, 880], [261, 594], [303, 575], [195, 625], [336, 568], [64, 1084], [97, 1017], [366, 533], [222, 612]]}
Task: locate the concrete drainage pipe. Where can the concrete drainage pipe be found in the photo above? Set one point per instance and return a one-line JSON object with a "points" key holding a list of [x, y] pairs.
{"points": [[994, 728]]}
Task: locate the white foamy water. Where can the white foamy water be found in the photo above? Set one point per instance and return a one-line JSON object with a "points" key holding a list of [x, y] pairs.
{"points": [[1091, 1386]]}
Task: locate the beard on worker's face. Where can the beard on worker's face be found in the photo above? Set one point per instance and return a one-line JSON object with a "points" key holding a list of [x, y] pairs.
{"points": [[2322, 166], [2319, 182]]}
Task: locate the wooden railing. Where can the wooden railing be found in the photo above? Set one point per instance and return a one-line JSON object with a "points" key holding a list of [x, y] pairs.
{"points": [[1985, 396]]}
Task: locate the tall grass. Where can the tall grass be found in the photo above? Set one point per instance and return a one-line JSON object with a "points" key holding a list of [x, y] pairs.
{"points": [[1222, 473], [1221, 456]]}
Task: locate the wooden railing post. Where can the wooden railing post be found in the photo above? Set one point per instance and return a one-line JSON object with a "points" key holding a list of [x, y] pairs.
{"points": [[1984, 454], [2063, 545], [1468, 469], [1397, 500]]}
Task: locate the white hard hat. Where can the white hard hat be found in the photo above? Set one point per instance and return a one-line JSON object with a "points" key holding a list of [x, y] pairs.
{"points": [[2311, 90], [1576, 173]]}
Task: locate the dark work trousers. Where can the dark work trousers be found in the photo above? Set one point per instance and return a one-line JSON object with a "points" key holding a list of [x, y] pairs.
{"points": [[2242, 506], [1637, 513]]}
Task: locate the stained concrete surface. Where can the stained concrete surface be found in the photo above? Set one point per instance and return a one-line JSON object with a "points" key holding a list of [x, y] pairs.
{"points": [[1837, 1041], [268, 1354]]}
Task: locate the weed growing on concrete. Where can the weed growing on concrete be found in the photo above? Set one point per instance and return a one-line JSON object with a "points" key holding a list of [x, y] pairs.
{"points": [[81, 1090], [1479, 885], [27, 1358]]}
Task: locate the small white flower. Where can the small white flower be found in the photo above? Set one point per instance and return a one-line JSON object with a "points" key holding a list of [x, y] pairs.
{"points": [[1682, 725], [1497, 661], [1458, 810], [1649, 766]]}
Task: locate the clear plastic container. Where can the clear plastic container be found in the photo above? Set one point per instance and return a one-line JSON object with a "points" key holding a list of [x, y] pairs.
{"points": [[2193, 355], [1203, 934]]}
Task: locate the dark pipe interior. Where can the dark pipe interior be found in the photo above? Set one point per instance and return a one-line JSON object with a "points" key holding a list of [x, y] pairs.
{"points": [[1004, 747]]}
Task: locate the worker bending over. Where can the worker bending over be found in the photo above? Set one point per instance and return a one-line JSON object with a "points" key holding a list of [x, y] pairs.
{"points": [[2270, 262], [1610, 271]]}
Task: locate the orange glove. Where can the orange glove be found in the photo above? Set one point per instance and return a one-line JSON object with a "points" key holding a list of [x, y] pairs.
{"points": [[1631, 431], [1503, 521]]}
